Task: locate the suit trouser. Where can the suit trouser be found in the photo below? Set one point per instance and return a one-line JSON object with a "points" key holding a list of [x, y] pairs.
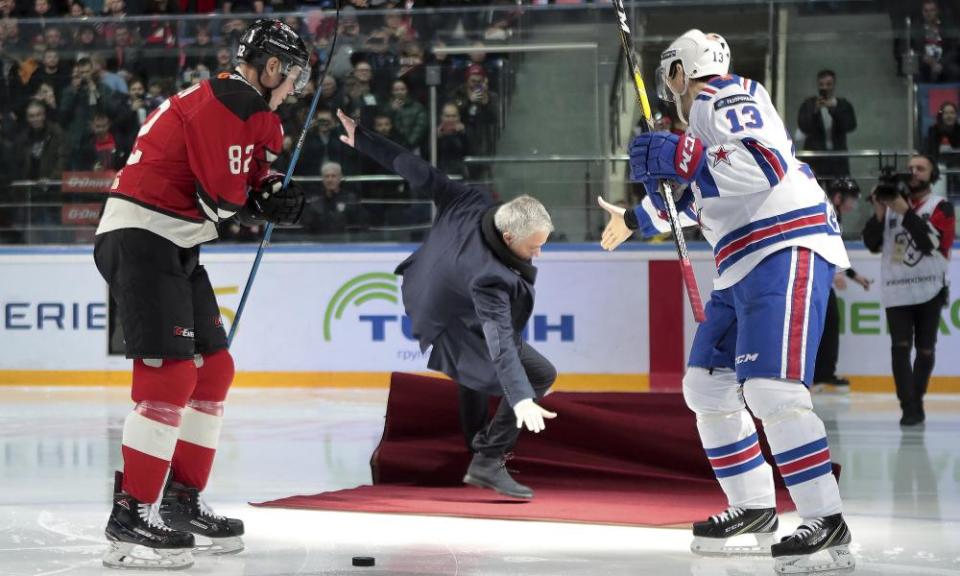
{"points": [[500, 435]]}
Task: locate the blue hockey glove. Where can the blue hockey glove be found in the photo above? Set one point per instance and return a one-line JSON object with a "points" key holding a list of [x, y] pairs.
{"points": [[665, 156]]}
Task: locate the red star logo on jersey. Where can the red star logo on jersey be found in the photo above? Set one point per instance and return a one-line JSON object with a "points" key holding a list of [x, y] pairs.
{"points": [[721, 154]]}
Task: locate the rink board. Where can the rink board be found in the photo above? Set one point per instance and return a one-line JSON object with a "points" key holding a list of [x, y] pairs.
{"points": [[332, 316]]}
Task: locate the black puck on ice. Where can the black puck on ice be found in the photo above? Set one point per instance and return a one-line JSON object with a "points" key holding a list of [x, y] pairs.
{"points": [[363, 561]]}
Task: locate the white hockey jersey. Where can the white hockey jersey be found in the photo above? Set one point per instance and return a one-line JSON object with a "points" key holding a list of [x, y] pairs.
{"points": [[754, 196]]}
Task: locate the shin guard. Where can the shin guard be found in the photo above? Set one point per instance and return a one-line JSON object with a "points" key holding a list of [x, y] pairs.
{"points": [[798, 441], [150, 432], [202, 420], [729, 437]]}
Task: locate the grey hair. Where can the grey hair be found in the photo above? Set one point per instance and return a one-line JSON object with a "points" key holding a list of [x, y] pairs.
{"points": [[521, 217], [331, 165]]}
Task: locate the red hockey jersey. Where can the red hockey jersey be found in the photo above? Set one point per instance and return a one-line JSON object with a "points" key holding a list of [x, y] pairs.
{"points": [[195, 158]]}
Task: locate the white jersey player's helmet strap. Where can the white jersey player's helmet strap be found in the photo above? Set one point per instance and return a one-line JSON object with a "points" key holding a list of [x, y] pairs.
{"points": [[701, 55]]}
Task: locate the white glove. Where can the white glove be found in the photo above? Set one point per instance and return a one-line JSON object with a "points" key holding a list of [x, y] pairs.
{"points": [[530, 414]]}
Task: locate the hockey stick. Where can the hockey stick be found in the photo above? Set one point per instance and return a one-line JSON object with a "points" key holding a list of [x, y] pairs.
{"points": [[268, 232], [686, 269]]}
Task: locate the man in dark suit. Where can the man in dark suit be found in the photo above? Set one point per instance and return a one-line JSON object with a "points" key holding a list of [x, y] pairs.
{"points": [[469, 292]]}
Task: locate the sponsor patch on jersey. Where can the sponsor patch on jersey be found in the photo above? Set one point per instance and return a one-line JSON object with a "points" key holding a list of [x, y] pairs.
{"points": [[183, 332], [733, 101]]}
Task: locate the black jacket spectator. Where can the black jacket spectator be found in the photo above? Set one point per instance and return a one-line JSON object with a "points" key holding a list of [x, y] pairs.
{"points": [[452, 142], [479, 109], [39, 148], [80, 101], [53, 72], [323, 145], [336, 210], [825, 121], [934, 36]]}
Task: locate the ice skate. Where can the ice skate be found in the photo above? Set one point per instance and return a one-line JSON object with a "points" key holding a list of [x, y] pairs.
{"points": [[182, 508], [819, 545], [753, 530], [139, 539]]}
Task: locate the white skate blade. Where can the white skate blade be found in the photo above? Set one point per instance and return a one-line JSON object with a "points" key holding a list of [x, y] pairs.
{"points": [[135, 557], [217, 546], [837, 558], [742, 545]]}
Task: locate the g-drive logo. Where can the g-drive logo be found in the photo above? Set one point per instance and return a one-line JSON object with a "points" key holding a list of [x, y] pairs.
{"points": [[383, 286]]}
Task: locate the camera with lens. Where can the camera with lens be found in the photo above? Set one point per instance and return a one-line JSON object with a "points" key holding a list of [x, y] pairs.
{"points": [[891, 184]]}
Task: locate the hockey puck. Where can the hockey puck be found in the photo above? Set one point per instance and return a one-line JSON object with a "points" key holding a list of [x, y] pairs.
{"points": [[363, 561]]}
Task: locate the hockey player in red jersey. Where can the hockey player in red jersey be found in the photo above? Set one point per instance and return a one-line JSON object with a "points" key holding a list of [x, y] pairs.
{"points": [[201, 157]]}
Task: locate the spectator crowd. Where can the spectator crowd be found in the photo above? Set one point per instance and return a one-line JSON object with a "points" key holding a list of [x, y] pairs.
{"points": [[75, 90]]}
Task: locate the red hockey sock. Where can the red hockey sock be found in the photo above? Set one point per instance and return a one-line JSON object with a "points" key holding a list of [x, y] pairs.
{"points": [[202, 419], [150, 431]]}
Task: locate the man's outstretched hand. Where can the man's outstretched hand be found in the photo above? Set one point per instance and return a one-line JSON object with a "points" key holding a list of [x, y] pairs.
{"points": [[349, 126], [531, 415], [617, 230]]}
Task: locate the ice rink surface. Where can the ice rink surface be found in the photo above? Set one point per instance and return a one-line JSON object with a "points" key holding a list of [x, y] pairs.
{"points": [[59, 447]]}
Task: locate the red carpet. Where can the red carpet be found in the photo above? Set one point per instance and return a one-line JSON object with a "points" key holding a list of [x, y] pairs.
{"points": [[611, 458]]}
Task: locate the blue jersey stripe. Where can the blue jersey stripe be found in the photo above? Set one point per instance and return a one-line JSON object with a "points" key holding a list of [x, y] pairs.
{"points": [[708, 186], [724, 81], [762, 162], [764, 222], [783, 163], [796, 233]]}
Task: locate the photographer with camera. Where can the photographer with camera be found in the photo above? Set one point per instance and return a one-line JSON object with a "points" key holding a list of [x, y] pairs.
{"points": [[914, 230]]}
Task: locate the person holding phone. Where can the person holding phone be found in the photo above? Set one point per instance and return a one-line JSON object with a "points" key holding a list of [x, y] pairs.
{"points": [[825, 120]]}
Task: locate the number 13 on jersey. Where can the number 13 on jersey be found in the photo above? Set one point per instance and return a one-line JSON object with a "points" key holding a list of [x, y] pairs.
{"points": [[748, 113]]}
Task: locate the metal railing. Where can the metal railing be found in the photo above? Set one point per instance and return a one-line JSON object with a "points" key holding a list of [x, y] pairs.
{"points": [[592, 181]]}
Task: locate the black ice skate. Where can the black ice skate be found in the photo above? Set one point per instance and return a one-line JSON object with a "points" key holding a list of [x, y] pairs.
{"points": [[139, 539], [757, 526], [798, 552], [182, 509]]}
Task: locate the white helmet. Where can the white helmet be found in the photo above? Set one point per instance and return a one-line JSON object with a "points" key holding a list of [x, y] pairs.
{"points": [[700, 54]]}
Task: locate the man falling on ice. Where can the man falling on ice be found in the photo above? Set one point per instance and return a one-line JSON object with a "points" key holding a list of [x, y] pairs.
{"points": [[776, 243]]}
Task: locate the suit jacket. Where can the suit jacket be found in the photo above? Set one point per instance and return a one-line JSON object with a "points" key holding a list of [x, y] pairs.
{"points": [[462, 292]]}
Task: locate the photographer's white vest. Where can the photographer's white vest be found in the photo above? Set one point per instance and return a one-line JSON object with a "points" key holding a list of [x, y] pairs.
{"points": [[909, 276]]}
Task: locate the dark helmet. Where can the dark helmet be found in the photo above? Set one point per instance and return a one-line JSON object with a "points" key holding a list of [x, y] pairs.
{"points": [[266, 38], [845, 186]]}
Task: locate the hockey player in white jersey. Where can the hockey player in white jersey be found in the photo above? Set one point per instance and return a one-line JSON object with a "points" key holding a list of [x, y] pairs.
{"points": [[776, 243]]}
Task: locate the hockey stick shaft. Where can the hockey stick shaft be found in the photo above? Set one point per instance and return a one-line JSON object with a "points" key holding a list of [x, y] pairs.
{"points": [[268, 231], [686, 268]]}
